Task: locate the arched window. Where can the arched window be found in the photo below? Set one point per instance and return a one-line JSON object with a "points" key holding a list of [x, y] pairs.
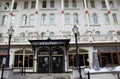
{"points": [[43, 34], [74, 3], [32, 19], [22, 34], [52, 4], [4, 20], [12, 21], [68, 34], [66, 3], [106, 18], [24, 19], [95, 20], [111, 3], [52, 34], [30, 35]]}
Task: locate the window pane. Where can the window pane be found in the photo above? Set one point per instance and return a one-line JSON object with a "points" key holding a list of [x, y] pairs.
{"points": [[24, 20], [44, 4], [95, 21], [26, 5], [15, 5], [32, 19], [32, 4], [111, 4], [6, 5], [4, 21], [103, 4], [43, 18], [67, 18], [52, 18], [106, 18], [12, 21], [75, 17], [92, 4], [74, 3], [66, 4], [115, 18], [52, 4]]}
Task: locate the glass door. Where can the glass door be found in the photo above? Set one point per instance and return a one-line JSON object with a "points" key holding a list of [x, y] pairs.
{"points": [[43, 65]]}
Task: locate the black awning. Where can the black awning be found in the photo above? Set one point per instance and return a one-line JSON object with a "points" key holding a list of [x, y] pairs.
{"points": [[50, 42]]}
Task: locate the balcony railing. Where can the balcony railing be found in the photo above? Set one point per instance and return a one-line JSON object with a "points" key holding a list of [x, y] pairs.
{"points": [[81, 39]]}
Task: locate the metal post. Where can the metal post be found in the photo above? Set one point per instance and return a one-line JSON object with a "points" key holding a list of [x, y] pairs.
{"points": [[88, 75], [8, 55], [2, 71], [77, 57]]}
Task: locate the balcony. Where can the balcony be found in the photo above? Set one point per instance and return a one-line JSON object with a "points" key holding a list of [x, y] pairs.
{"points": [[81, 39]]}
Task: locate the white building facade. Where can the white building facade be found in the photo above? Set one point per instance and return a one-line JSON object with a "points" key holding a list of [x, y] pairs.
{"points": [[99, 29]]}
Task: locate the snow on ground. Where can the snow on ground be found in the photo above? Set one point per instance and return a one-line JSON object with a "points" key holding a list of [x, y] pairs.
{"points": [[104, 69]]}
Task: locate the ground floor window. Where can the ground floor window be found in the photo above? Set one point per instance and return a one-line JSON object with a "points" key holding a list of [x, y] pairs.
{"points": [[23, 58], [83, 56], [108, 59]]}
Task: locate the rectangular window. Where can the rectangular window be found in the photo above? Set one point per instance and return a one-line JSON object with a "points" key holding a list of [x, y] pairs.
{"points": [[33, 4], [75, 17], [92, 3], [67, 19], [15, 5], [52, 18], [106, 19], [26, 5], [43, 19], [12, 21], [6, 5], [4, 21], [114, 18], [103, 4], [44, 4]]}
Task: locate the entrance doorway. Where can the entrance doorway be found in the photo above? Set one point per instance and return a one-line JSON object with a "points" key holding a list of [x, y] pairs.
{"points": [[50, 61]]}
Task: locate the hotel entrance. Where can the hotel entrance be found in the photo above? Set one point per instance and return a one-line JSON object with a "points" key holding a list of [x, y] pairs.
{"points": [[50, 62], [50, 55]]}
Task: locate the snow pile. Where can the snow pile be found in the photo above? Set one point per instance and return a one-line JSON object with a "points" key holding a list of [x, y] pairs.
{"points": [[104, 69]]}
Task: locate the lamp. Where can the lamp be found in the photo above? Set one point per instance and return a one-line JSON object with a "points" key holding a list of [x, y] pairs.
{"points": [[75, 31]]}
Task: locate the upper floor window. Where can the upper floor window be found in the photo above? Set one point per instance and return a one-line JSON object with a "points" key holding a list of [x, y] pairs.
{"points": [[32, 4], [103, 4], [43, 19], [15, 5], [66, 3], [106, 18], [52, 34], [67, 18], [114, 18], [92, 4], [44, 4], [32, 19], [75, 18], [24, 19], [26, 5], [6, 6], [97, 33], [43, 34], [22, 34], [74, 3], [12, 21], [95, 20], [4, 20], [111, 3], [52, 4], [52, 17]]}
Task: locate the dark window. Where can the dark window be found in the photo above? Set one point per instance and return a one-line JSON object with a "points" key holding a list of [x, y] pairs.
{"points": [[26, 5], [92, 3], [52, 4], [103, 4], [15, 5], [6, 5], [44, 4], [32, 4]]}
